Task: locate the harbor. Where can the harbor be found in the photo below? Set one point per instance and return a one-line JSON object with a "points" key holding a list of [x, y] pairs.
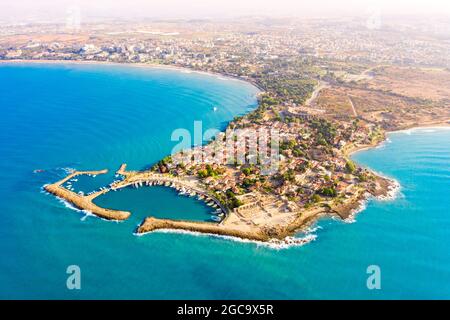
{"points": [[84, 202], [184, 187]]}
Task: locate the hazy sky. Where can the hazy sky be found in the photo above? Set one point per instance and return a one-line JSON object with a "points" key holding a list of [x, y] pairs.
{"points": [[18, 10]]}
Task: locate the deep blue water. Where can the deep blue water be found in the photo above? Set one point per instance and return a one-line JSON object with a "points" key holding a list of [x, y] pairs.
{"points": [[94, 117]]}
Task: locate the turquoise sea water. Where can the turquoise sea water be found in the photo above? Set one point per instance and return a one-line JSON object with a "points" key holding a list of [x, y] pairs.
{"points": [[56, 117]]}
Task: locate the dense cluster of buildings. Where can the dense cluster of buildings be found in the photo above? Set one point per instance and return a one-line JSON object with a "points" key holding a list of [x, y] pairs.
{"points": [[285, 61]]}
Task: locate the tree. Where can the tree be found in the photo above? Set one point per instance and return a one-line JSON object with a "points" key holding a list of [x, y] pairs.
{"points": [[328, 192], [316, 198], [232, 202], [202, 173], [350, 166]]}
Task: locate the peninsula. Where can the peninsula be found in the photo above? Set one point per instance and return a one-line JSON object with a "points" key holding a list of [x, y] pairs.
{"points": [[324, 105]]}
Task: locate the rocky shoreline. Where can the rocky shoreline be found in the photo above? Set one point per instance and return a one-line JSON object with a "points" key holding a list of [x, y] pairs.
{"points": [[258, 224]]}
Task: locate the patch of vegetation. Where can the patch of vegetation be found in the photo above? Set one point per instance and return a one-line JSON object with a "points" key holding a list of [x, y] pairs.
{"points": [[209, 172], [326, 131], [328, 192], [350, 166]]}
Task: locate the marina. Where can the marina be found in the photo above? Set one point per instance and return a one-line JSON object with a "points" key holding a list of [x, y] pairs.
{"points": [[133, 179]]}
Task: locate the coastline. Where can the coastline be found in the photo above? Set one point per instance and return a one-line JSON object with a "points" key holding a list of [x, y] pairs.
{"points": [[394, 189], [277, 244], [435, 125], [305, 218], [136, 65]]}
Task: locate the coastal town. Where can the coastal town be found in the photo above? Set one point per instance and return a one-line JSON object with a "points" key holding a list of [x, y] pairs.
{"points": [[324, 92]]}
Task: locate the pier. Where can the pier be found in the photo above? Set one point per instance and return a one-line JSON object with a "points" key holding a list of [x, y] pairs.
{"points": [[131, 178], [152, 224], [189, 187], [84, 202], [255, 221]]}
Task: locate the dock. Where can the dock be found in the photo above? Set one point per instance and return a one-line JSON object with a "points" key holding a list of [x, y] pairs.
{"points": [[131, 178], [190, 187], [84, 202], [152, 224], [256, 221]]}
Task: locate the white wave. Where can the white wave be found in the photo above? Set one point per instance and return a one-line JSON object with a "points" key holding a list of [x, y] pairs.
{"points": [[272, 244], [87, 214], [362, 206], [383, 144], [68, 205], [311, 230], [393, 192]]}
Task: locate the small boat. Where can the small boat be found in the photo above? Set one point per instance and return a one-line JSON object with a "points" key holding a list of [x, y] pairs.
{"points": [[215, 109], [216, 218], [38, 170]]}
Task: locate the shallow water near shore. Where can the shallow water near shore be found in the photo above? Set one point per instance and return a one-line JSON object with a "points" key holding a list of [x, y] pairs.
{"points": [[88, 117]]}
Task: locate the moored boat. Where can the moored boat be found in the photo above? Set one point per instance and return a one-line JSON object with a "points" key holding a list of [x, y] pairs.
{"points": [[216, 218]]}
